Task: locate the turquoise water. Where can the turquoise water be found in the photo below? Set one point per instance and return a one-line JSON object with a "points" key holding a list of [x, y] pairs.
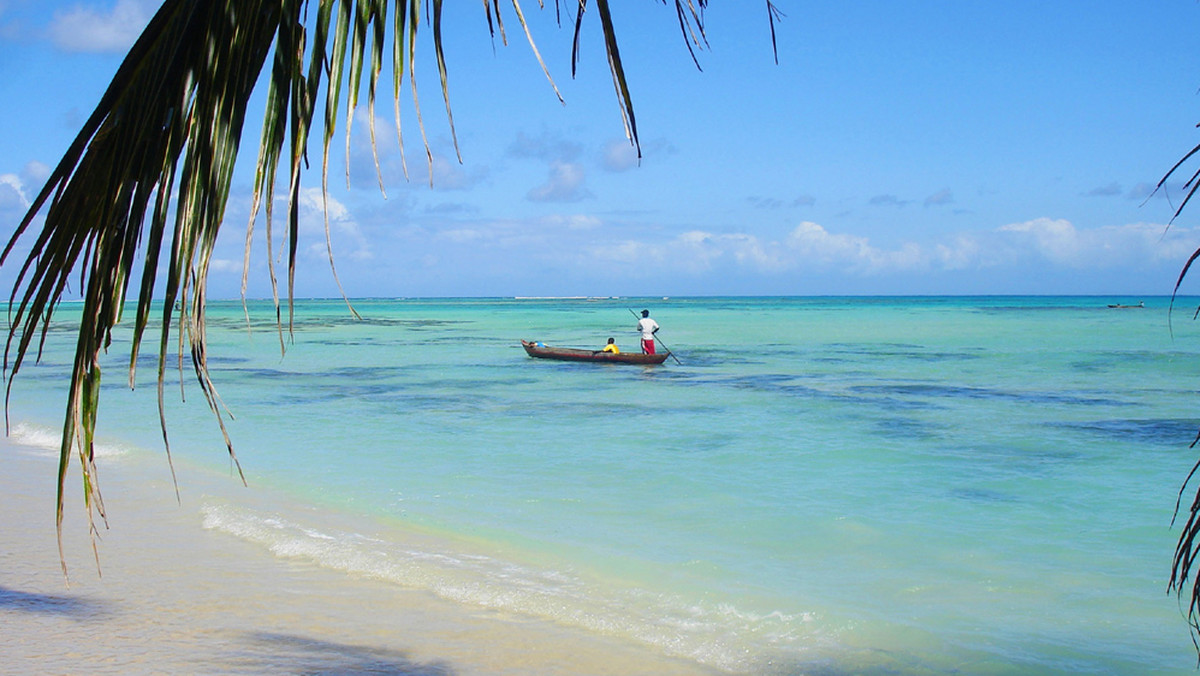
{"points": [[829, 485]]}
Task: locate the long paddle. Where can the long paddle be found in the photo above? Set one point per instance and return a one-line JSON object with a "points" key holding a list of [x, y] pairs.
{"points": [[669, 350]]}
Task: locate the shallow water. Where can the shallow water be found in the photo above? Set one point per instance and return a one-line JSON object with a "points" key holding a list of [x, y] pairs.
{"points": [[829, 485]]}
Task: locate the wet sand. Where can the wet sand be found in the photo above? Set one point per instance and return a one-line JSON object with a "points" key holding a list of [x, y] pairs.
{"points": [[173, 597]]}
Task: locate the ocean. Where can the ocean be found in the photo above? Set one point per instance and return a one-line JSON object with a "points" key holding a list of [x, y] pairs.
{"points": [[929, 485]]}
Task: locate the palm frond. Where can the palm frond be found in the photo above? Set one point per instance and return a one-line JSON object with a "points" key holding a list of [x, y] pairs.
{"points": [[1184, 579], [152, 167], [173, 112]]}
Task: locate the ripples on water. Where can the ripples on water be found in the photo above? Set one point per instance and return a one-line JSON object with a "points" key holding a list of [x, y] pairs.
{"points": [[834, 485]]}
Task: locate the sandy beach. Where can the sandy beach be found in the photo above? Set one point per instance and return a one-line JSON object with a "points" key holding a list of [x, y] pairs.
{"points": [[173, 597]]}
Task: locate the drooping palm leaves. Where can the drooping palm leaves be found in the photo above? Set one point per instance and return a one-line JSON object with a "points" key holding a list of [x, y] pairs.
{"points": [[170, 121], [1184, 577], [152, 167], [1187, 550]]}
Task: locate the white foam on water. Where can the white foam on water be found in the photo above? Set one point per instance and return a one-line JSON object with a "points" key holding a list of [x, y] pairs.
{"points": [[46, 441], [43, 441], [715, 634]]}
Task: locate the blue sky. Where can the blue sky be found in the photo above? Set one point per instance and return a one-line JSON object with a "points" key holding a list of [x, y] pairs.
{"points": [[897, 148]]}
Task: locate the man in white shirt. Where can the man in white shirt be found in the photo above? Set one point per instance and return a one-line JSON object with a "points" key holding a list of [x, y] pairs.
{"points": [[648, 327]]}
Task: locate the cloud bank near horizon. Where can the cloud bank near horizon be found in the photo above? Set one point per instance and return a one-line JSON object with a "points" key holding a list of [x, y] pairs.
{"points": [[1052, 242], [376, 255]]}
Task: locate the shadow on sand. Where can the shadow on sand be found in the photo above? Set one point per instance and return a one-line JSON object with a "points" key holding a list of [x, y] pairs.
{"points": [[74, 607], [287, 653]]}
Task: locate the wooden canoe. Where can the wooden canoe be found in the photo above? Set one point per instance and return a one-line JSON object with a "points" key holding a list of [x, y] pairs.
{"points": [[573, 354]]}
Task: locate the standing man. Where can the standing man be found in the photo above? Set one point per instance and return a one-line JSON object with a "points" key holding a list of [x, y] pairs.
{"points": [[648, 327]]}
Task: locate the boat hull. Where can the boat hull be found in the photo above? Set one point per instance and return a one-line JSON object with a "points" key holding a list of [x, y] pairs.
{"points": [[598, 356]]}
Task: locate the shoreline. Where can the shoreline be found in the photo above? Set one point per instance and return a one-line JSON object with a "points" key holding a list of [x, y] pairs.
{"points": [[174, 597]]}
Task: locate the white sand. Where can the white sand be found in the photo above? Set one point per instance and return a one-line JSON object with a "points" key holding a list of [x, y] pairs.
{"points": [[176, 598]]}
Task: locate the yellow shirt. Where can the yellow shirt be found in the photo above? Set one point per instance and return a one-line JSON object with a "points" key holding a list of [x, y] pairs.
{"points": [[611, 348]]}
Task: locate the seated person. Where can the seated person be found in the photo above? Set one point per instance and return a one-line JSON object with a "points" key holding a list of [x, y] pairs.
{"points": [[612, 347]]}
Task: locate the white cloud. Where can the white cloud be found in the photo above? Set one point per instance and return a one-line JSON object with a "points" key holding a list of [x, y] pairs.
{"points": [[960, 253], [565, 184], [12, 193], [810, 243], [468, 235], [699, 250], [343, 228], [17, 192], [1062, 243], [313, 203], [84, 29], [451, 175], [542, 236], [572, 221], [225, 265], [35, 173], [620, 155], [1055, 239], [811, 247]]}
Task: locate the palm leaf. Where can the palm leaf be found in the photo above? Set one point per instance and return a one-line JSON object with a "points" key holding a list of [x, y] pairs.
{"points": [[1187, 549], [152, 167]]}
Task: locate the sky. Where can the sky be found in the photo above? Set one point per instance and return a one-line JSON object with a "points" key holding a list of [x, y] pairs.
{"points": [[924, 147]]}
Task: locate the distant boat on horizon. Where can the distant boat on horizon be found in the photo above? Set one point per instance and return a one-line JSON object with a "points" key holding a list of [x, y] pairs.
{"points": [[1141, 304]]}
